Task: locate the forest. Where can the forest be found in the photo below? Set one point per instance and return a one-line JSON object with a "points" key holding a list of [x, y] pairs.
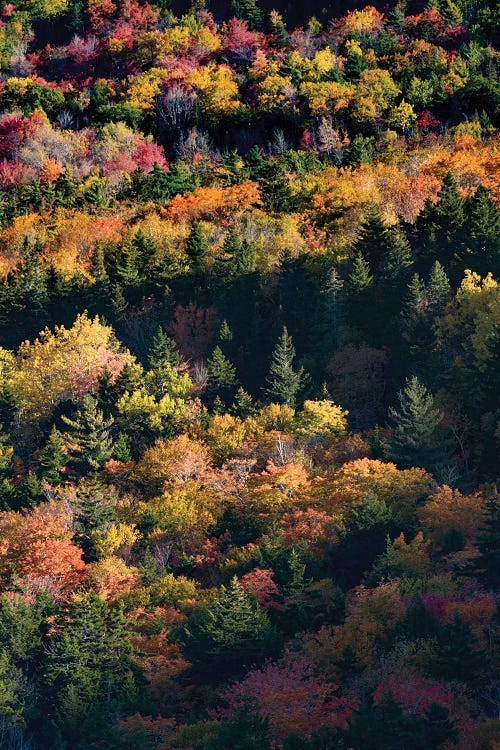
{"points": [[249, 375]]}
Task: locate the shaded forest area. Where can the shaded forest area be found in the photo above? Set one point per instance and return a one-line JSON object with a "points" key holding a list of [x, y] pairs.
{"points": [[249, 376]]}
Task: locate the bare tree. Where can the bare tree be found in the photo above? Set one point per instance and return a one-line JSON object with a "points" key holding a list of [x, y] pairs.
{"points": [[175, 107]]}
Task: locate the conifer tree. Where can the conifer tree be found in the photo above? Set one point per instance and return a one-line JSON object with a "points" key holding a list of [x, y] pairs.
{"points": [[483, 232], [196, 247], [488, 562], [249, 11], [284, 382], [93, 511], [221, 374], [163, 351], [418, 438], [333, 311], [89, 668], [231, 633], [372, 240], [145, 251], [243, 404], [438, 289], [53, 457], [89, 443]]}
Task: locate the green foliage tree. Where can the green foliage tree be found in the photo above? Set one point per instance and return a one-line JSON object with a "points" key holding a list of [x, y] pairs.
{"points": [[418, 437], [284, 382], [53, 457], [196, 247], [89, 443], [229, 635]]}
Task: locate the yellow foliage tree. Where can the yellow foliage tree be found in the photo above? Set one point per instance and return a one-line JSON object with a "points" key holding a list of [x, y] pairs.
{"points": [[63, 364]]}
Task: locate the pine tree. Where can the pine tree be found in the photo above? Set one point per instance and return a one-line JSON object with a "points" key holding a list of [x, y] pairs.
{"points": [[231, 634], [243, 404], [127, 269], [360, 278], [122, 449], [196, 247], [275, 188], [483, 232], [457, 657], [488, 562], [221, 375], [93, 511], [34, 279], [249, 11], [89, 443], [89, 670], [438, 289], [333, 312], [145, 251], [53, 458], [163, 351], [284, 382], [418, 438], [66, 189], [372, 241]]}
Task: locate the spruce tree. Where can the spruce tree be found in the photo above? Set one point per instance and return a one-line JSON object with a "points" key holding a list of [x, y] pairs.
{"points": [[483, 232], [418, 438], [243, 404], [333, 312], [221, 375], [53, 458], [438, 289], [360, 278], [488, 543], [372, 240], [163, 351], [89, 670], [457, 655], [196, 247], [93, 511], [89, 443], [249, 11], [284, 382], [231, 634]]}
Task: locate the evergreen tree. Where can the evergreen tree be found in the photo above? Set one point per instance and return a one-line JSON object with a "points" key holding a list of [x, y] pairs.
{"points": [[440, 226], [249, 11], [122, 449], [221, 375], [438, 289], [66, 189], [53, 458], [372, 240], [384, 726], [93, 511], [418, 438], [145, 251], [276, 189], [333, 313], [457, 657], [360, 278], [360, 290], [243, 405], [488, 562], [163, 351], [483, 232], [231, 634], [89, 443], [196, 247], [34, 280], [284, 382], [89, 670]]}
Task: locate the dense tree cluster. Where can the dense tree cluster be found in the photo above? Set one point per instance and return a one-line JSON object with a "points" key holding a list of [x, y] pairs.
{"points": [[249, 376]]}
